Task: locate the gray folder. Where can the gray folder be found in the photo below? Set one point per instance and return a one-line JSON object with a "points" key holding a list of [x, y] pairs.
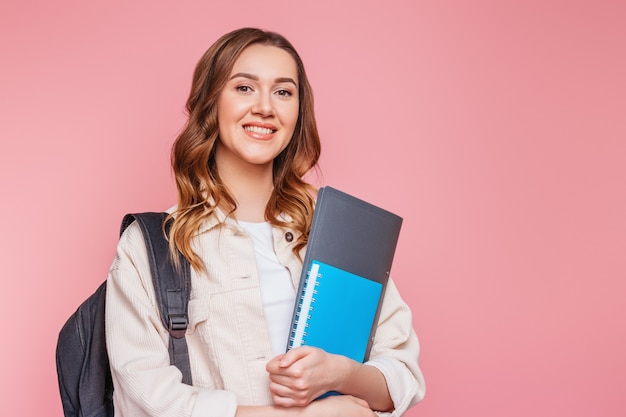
{"points": [[353, 241]]}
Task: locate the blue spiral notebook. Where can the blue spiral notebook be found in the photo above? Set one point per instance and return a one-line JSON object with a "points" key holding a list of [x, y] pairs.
{"points": [[345, 271]]}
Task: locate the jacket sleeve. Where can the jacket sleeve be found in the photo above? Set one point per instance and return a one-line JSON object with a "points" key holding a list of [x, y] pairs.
{"points": [[145, 384], [395, 353]]}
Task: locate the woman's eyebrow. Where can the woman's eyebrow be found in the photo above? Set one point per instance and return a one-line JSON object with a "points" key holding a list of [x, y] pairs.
{"points": [[286, 80], [256, 78]]}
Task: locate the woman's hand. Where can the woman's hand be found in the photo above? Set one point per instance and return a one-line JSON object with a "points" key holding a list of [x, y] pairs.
{"points": [[303, 374]]}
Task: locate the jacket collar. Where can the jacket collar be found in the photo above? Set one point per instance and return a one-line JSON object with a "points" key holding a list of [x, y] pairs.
{"points": [[219, 218]]}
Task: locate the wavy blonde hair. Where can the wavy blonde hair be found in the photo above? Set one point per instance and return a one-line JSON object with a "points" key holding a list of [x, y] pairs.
{"points": [[200, 189]]}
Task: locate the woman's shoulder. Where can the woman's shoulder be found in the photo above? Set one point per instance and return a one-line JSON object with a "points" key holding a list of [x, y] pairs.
{"points": [[132, 243]]}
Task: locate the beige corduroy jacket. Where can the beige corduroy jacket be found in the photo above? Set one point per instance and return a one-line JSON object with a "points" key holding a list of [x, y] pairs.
{"points": [[228, 341]]}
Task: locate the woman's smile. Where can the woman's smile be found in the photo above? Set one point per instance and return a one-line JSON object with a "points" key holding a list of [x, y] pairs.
{"points": [[261, 131]]}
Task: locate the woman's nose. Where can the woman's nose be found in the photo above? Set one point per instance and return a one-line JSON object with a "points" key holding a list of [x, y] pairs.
{"points": [[263, 105]]}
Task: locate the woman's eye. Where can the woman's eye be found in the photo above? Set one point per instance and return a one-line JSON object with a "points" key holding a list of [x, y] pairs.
{"points": [[244, 88], [284, 93]]}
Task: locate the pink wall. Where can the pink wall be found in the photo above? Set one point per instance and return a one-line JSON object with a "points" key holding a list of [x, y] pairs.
{"points": [[496, 128]]}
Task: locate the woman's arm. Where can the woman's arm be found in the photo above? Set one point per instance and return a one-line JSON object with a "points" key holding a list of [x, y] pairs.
{"points": [[145, 383], [395, 352], [334, 406], [390, 381]]}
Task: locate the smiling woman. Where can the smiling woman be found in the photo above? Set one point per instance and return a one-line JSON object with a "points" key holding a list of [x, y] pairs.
{"points": [[242, 221], [257, 114]]}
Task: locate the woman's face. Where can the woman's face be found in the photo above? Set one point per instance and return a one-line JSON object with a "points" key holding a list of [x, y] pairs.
{"points": [[258, 108]]}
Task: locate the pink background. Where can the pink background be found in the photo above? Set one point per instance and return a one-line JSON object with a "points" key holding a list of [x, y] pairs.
{"points": [[497, 129]]}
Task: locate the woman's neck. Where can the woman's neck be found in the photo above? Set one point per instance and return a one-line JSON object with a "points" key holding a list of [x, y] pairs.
{"points": [[251, 186], [252, 198]]}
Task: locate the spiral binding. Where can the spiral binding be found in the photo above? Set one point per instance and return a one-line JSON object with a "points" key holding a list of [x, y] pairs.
{"points": [[305, 306]]}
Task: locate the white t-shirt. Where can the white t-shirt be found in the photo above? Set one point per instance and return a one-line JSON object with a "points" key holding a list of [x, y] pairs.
{"points": [[277, 290]]}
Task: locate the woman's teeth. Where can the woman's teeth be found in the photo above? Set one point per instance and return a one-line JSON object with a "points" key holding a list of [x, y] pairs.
{"points": [[257, 129]]}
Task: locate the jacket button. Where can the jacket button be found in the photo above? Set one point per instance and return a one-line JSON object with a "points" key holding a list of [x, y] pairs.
{"points": [[288, 236]]}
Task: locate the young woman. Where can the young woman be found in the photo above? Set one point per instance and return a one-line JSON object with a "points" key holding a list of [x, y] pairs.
{"points": [[242, 221]]}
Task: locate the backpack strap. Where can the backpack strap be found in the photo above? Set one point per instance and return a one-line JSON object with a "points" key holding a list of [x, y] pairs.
{"points": [[172, 285]]}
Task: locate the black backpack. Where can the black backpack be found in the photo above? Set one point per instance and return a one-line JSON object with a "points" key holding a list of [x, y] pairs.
{"points": [[82, 362]]}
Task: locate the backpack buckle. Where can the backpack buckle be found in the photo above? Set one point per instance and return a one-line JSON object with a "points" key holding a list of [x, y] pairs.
{"points": [[177, 325]]}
